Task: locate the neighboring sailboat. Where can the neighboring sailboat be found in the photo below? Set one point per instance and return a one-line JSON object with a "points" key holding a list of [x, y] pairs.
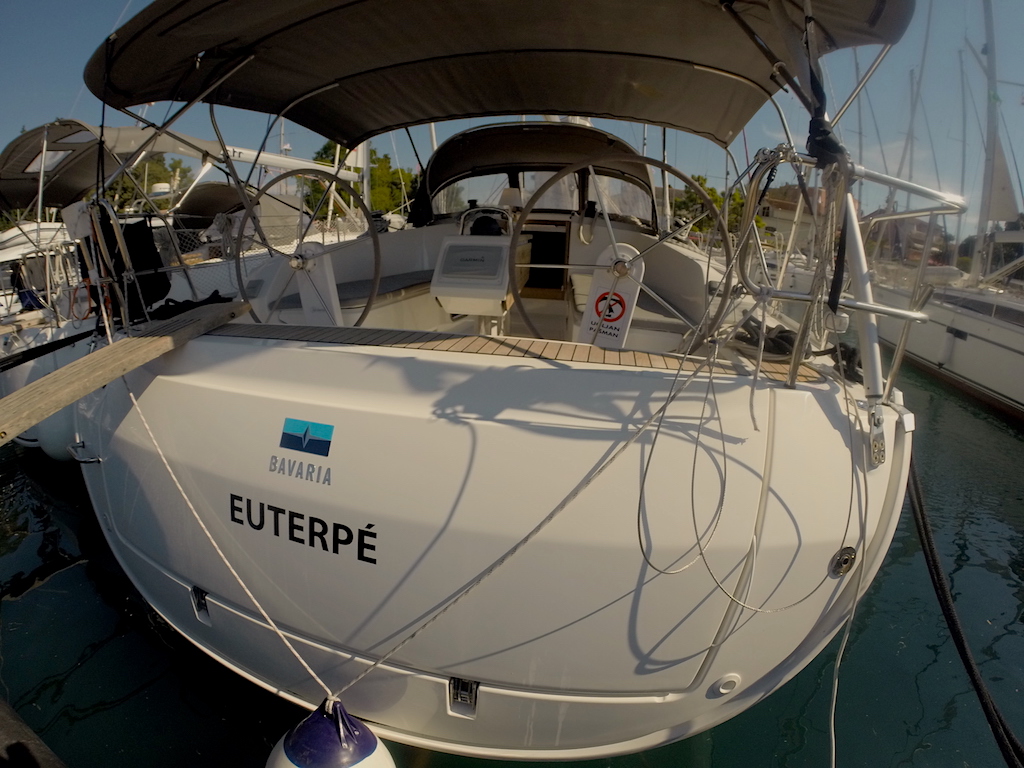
{"points": [[974, 338], [531, 479], [48, 293]]}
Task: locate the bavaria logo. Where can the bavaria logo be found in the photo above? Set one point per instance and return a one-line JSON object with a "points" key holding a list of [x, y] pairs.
{"points": [[307, 436]]}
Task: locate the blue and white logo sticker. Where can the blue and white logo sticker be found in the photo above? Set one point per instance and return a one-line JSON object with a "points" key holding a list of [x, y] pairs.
{"points": [[307, 436]]}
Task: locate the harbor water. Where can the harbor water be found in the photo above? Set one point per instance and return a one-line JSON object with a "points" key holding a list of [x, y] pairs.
{"points": [[106, 683]]}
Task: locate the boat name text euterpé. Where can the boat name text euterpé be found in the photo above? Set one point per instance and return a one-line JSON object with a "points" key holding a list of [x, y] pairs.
{"points": [[303, 529]]}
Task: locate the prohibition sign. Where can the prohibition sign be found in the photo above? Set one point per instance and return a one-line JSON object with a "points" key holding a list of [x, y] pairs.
{"points": [[615, 308]]}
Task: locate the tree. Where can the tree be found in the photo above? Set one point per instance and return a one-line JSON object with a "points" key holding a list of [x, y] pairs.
{"points": [[153, 170], [688, 205], [965, 252], [390, 187]]}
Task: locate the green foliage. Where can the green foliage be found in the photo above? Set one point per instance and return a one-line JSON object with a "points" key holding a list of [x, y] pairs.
{"points": [[390, 188], [123, 193], [9, 218], [687, 205], [154, 170]]}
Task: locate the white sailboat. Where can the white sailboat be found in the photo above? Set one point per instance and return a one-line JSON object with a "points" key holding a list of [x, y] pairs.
{"points": [[51, 314], [974, 337], [49, 168], [517, 482]]}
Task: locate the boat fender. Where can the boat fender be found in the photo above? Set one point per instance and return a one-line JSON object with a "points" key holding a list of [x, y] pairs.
{"points": [[330, 738]]}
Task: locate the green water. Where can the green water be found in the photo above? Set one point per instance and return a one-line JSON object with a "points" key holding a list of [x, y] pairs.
{"points": [[105, 684]]}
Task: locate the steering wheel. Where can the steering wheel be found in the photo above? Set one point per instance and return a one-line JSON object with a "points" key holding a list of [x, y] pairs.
{"points": [[597, 160], [328, 179]]}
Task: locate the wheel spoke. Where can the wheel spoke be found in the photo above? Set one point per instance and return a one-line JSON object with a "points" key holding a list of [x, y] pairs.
{"points": [[589, 165], [329, 180]]}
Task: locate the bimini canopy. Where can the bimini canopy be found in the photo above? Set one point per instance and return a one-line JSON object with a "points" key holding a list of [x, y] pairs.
{"points": [[70, 164], [349, 69]]}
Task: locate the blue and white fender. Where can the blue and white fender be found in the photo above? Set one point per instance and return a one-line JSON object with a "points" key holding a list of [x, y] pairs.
{"points": [[330, 738]]}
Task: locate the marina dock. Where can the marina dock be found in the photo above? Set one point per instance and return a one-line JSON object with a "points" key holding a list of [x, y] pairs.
{"points": [[42, 398], [19, 745]]}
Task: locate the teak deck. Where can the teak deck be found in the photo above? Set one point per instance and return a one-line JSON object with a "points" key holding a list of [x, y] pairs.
{"points": [[43, 398], [540, 349]]}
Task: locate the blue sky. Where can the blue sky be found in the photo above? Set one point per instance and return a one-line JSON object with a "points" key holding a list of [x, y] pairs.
{"points": [[44, 45]]}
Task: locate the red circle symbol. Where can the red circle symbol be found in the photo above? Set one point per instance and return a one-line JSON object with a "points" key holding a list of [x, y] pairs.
{"points": [[615, 308]]}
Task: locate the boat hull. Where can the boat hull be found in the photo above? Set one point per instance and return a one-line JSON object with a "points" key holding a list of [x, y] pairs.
{"points": [[491, 504], [979, 354]]}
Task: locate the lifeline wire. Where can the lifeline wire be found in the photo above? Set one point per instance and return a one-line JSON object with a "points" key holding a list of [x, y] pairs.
{"points": [[219, 551], [702, 545], [575, 492]]}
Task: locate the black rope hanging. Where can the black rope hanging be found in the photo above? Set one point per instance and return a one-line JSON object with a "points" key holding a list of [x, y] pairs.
{"points": [[1009, 745]]}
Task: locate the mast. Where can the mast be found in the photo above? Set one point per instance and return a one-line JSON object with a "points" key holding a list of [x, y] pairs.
{"points": [[666, 203], [39, 195], [915, 84], [991, 134], [860, 135], [963, 143]]}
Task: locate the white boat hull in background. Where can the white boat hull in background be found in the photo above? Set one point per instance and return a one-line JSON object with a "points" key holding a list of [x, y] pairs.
{"points": [[978, 353]]}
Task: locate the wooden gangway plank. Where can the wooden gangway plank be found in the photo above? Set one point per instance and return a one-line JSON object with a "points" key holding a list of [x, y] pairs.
{"points": [[36, 401], [23, 324]]}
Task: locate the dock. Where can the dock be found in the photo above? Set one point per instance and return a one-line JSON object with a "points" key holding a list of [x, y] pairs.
{"points": [[42, 398], [20, 746]]}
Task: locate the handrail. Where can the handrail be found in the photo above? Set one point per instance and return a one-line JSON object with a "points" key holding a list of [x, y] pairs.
{"points": [[860, 172], [949, 204], [483, 209], [862, 306]]}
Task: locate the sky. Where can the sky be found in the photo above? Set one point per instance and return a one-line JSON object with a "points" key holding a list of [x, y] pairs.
{"points": [[45, 44]]}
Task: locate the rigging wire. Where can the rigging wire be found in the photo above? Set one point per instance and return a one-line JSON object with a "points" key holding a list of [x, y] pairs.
{"points": [[878, 133], [931, 145], [1013, 154], [977, 116], [220, 553]]}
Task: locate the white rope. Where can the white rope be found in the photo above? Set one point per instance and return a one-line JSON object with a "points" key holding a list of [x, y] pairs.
{"points": [[572, 495], [763, 298], [862, 541], [657, 431], [709, 394], [218, 550], [714, 346], [712, 358], [702, 546]]}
